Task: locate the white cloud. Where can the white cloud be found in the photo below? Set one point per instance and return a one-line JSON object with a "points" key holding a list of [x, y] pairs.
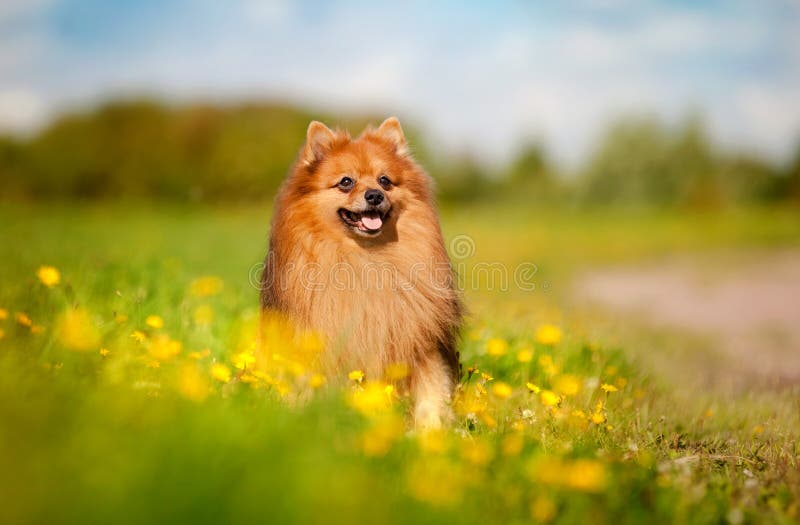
{"points": [[21, 110]]}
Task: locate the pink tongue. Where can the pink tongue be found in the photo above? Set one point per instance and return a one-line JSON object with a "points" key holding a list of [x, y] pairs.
{"points": [[372, 223]]}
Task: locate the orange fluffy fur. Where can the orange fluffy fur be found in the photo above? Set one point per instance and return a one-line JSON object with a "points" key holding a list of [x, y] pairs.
{"points": [[378, 300]]}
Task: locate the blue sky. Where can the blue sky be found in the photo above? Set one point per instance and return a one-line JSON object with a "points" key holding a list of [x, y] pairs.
{"points": [[483, 77]]}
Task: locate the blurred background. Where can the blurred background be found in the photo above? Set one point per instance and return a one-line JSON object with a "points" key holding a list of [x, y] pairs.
{"points": [[589, 102]]}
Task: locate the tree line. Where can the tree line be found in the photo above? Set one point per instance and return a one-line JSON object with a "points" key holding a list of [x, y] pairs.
{"points": [[215, 153]]}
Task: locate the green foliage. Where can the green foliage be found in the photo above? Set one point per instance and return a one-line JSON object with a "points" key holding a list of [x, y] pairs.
{"points": [[642, 162], [215, 153]]}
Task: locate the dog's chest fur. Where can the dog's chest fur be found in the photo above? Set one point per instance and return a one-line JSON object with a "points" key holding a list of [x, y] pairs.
{"points": [[375, 308]]}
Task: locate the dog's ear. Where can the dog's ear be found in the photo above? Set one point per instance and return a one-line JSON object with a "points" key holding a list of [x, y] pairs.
{"points": [[391, 132], [319, 139]]}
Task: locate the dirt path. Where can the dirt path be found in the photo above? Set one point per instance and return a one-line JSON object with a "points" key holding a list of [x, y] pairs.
{"points": [[747, 304]]}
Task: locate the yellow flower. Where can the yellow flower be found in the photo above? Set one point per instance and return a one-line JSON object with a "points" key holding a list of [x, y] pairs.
{"points": [[548, 334], [243, 360], [598, 418], [356, 375], [199, 355], [567, 384], [163, 348], [76, 331], [3, 314], [496, 347], [549, 398], [104, 352], [206, 286], [371, 399], [533, 388], [502, 390], [49, 276], [154, 321], [486, 377], [586, 475], [389, 391], [192, 385], [23, 319], [221, 372], [525, 356], [608, 388], [316, 380], [138, 336]]}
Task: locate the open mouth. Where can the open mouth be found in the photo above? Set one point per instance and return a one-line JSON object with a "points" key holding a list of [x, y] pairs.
{"points": [[369, 222]]}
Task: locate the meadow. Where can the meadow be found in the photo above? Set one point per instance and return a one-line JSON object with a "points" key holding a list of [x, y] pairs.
{"points": [[132, 390]]}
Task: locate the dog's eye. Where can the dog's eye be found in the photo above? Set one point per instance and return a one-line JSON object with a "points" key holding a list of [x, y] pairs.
{"points": [[385, 182], [346, 183]]}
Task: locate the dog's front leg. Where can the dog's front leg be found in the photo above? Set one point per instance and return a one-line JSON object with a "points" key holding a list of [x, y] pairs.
{"points": [[432, 388]]}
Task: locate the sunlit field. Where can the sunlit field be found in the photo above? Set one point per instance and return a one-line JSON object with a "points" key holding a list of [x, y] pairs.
{"points": [[132, 389]]}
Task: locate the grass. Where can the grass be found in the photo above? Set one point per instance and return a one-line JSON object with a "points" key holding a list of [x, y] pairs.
{"points": [[178, 424]]}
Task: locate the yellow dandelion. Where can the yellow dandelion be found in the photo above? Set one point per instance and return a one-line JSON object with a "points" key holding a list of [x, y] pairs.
{"points": [[525, 356], [548, 334], [598, 418], [199, 355], [549, 398], [486, 377], [243, 360], [758, 429], [533, 388], [502, 390], [316, 381], [138, 336], [154, 321], [3, 314], [221, 372], [104, 352], [567, 384], [49, 276], [371, 399], [23, 319], [76, 331], [206, 286], [587, 475], [163, 348], [356, 375], [608, 388], [496, 347]]}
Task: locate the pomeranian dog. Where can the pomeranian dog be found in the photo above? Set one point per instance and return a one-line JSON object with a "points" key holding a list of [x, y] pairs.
{"points": [[356, 255]]}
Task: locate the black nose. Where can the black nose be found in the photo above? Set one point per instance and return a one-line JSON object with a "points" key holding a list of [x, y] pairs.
{"points": [[374, 197]]}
